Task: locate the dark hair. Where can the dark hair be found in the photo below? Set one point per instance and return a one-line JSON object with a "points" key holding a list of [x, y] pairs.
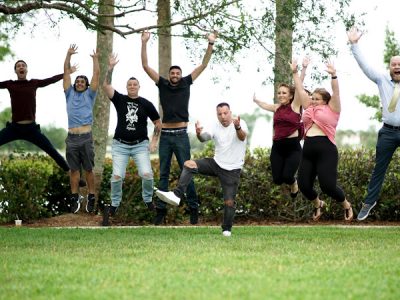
{"points": [[222, 104], [175, 67], [291, 89], [133, 78], [84, 78], [326, 96], [20, 60]]}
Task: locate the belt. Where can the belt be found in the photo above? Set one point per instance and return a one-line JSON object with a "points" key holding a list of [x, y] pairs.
{"points": [[391, 127], [131, 143], [79, 134], [179, 131]]}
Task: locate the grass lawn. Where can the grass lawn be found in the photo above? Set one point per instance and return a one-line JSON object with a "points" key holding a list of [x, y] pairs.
{"points": [[314, 262]]}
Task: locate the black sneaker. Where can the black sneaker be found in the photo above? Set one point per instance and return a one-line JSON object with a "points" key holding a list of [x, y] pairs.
{"points": [[194, 216], [75, 203], [109, 211], [149, 205], [160, 216], [90, 203]]}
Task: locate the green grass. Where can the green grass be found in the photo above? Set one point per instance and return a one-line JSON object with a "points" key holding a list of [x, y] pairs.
{"points": [[315, 262]]}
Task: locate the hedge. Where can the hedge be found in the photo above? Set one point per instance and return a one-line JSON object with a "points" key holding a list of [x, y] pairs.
{"points": [[33, 186]]}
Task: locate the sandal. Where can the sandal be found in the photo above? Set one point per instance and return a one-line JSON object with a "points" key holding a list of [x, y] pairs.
{"points": [[318, 210], [348, 213]]}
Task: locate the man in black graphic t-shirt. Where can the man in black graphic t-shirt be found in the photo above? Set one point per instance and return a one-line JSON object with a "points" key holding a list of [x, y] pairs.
{"points": [[130, 138], [174, 99]]}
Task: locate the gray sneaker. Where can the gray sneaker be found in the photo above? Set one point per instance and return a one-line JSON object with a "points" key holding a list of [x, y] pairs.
{"points": [[364, 212]]}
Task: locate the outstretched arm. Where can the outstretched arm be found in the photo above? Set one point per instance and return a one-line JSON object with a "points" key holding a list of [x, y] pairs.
{"points": [[334, 103], [94, 83], [304, 64], [68, 70], [145, 64], [211, 40], [264, 105], [107, 87]]}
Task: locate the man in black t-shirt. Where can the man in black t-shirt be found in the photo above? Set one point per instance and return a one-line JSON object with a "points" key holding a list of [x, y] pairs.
{"points": [[174, 98], [130, 139]]}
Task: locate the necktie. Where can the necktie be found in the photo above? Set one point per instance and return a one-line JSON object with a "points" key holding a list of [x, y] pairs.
{"points": [[395, 97]]}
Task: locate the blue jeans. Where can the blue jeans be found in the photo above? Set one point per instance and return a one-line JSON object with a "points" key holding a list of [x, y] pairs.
{"points": [[120, 158], [388, 141], [179, 145]]}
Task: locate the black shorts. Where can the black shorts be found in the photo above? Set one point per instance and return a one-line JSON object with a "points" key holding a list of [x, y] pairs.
{"points": [[80, 151]]}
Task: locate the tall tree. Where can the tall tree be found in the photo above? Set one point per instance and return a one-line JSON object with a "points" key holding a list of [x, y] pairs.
{"points": [[101, 113]]}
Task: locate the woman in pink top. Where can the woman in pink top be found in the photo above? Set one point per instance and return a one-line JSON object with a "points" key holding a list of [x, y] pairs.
{"points": [[288, 130], [320, 155]]}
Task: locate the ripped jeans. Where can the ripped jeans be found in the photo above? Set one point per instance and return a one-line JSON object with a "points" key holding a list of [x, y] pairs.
{"points": [[120, 158]]}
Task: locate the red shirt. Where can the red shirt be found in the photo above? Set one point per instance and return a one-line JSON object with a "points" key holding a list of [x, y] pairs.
{"points": [[286, 122], [23, 96]]}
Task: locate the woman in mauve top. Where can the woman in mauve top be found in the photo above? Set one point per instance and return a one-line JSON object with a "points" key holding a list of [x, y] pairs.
{"points": [[320, 155], [288, 129]]}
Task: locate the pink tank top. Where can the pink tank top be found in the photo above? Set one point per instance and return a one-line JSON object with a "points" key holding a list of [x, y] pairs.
{"points": [[324, 117], [286, 121]]}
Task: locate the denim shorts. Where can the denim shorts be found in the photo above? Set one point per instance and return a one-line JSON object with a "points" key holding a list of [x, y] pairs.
{"points": [[80, 151], [229, 179]]}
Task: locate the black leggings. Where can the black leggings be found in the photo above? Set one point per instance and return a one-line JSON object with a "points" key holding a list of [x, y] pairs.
{"points": [[285, 158], [320, 158], [31, 133]]}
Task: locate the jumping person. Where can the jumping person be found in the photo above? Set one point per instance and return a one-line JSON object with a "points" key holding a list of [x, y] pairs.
{"points": [[80, 99], [229, 135], [174, 94], [389, 134], [130, 139], [320, 155], [23, 108]]}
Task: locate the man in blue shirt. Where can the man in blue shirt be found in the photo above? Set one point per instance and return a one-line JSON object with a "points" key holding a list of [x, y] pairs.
{"points": [[80, 99], [389, 134]]}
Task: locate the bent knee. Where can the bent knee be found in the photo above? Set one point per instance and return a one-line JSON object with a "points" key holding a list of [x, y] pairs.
{"points": [[147, 175], [191, 164]]}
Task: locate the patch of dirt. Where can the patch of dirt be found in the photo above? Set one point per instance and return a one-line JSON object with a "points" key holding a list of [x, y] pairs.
{"points": [[82, 219]]}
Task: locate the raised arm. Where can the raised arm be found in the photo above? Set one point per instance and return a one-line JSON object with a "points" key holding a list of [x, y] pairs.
{"points": [[211, 40], [241, 134], [264, 105], [304, 64], [107, 87], [68, 70], [334, 103], [145, 64], [301, 97], [94, 83]]}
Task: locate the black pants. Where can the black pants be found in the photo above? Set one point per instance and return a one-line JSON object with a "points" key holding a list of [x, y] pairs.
{"points": [[285, 159], [320, 158], [31, 133]]}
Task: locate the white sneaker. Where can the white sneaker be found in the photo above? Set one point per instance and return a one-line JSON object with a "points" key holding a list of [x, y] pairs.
{"points": [[168, 197], [226, 233]]}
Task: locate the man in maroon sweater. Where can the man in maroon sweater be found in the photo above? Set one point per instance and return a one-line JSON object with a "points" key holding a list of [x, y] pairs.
{"points": [[23, 109]]}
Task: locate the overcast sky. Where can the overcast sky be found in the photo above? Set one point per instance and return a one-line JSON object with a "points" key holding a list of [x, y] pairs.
{"points": [[45, 52]]}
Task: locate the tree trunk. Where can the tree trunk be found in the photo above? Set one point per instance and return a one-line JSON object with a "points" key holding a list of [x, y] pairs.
{"points": [[283, 42], [164, 38], [101, 113]]}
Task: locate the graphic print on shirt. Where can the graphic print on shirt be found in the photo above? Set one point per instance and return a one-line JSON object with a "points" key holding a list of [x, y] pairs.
{"points": [[131, 116]]}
